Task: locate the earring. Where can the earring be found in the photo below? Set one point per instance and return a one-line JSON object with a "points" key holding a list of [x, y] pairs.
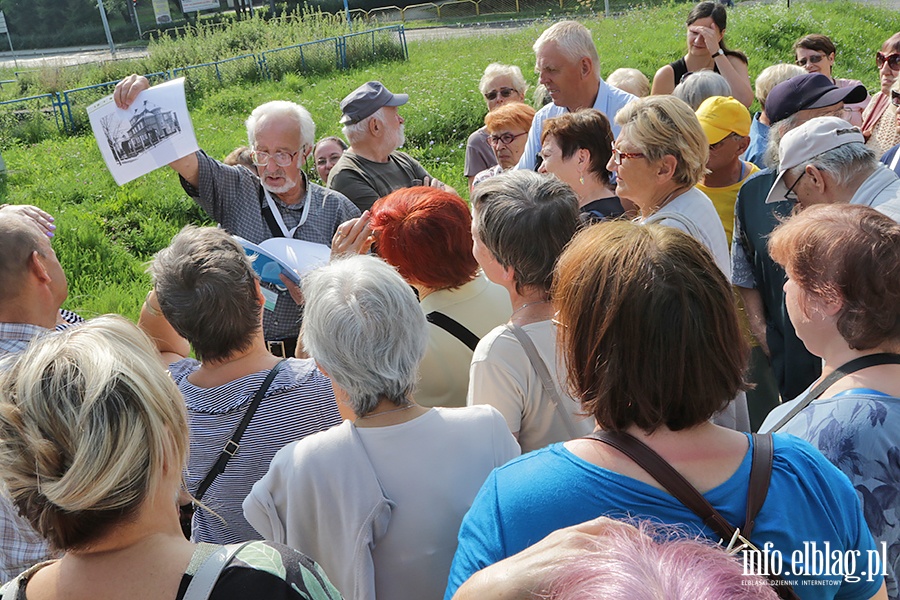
{"points": [[581, 179]]}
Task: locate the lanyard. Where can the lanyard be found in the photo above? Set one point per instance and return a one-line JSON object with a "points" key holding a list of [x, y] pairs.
{"points": [[278, 218]]}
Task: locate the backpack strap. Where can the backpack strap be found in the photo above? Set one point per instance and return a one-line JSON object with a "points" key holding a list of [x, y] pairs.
{"points": [[454, 328]]}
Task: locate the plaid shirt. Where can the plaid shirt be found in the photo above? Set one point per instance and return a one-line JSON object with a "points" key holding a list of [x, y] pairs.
{"points": [[232, 197], [20, 545], [14, 337]]}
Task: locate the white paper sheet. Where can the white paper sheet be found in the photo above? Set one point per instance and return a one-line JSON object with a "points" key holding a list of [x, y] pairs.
{"points": [[154, 131]]}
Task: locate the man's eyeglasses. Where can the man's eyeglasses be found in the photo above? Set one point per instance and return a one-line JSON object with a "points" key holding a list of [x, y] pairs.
{"points": [[814, 59], [717, 145], [790, 195], [893, 60], [504, 92], [506, 139], [282, 159], [617, 156]]}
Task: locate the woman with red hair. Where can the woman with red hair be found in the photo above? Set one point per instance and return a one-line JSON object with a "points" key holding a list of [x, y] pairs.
{"points": [[426, 234]]}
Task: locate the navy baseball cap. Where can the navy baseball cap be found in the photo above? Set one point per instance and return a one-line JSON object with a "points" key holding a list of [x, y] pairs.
{"points": [[810, 90], [366, 99]]}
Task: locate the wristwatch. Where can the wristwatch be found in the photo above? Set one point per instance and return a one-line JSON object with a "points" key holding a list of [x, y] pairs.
{"points": [[719, 53]]}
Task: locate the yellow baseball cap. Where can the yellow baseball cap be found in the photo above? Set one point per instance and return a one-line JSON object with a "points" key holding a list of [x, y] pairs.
{"points": [[720, 116]]}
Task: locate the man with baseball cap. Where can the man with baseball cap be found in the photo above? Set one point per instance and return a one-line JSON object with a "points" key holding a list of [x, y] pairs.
{"points": [[826, 161], [726, 123], [759, 280], [372, 167]]}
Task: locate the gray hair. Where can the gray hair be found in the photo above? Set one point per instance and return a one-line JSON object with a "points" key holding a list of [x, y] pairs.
{"points": [[844, 163], [574, 41], [363, 325], [207, 290], [283, 108], [495, 70], [772, 76], [510, 208], [355, 132], [700, 86], [772, 157]]}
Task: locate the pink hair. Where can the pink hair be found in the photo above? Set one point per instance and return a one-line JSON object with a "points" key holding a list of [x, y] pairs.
{"points": [[634, 563]]}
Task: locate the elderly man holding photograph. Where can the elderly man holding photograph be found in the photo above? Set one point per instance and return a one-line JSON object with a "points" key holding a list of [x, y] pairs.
{"points": [[275, 201]]}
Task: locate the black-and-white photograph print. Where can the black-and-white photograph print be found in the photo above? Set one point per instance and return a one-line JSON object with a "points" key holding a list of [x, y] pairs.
{"points": [[155, 130]]}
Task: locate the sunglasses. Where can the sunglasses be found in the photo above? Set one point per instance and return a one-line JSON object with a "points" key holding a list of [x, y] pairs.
{"points": [[503, 92], [893, 60], [814, 60]]}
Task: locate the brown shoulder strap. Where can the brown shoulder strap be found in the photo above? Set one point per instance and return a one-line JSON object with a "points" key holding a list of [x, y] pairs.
{"points": [[668, 477], [760, 475]]}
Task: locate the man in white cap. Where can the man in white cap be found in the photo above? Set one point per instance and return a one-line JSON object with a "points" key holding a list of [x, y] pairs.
{"points": [[372, 167], [826, 161]]}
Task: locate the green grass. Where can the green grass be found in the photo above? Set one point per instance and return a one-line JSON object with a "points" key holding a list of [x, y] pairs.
{"points": [[106, 233]]}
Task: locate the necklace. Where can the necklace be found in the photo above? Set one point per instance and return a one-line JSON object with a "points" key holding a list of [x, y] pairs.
{"points": [[384, 412], [526, 305]]}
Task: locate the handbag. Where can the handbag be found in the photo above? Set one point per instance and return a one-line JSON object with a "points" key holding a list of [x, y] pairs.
{"points": [[657, 467], [863, 362], [186, 511]]}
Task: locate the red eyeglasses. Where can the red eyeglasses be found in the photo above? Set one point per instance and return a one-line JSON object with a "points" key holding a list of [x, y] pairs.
{"points": [[893, 60]]}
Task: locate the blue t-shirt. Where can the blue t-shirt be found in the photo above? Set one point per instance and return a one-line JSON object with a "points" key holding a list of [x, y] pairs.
{"points": [[858, 430], [809, 500]]}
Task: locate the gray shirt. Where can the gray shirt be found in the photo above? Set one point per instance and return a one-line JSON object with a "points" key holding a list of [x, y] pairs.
{"points": [[232, 196], [364, 181]]}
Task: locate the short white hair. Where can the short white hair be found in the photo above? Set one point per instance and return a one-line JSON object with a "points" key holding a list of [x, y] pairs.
{"points": [[700, 86], [495, 70], [283, 108], [363, 325], [771, 76], [354, 132], [574, 40]]}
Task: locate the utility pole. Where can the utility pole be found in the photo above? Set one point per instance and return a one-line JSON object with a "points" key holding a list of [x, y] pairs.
{"points": [[136, 20], [112, 47]]}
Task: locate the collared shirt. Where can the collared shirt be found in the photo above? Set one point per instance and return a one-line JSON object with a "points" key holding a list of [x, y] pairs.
{"points": [[759, 141], [20, 544], [609, 101], [14, 337], [881, 191], [231, 196]]}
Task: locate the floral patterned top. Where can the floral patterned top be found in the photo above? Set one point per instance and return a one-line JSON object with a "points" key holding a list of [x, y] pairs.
{"points": [[858, 430]]}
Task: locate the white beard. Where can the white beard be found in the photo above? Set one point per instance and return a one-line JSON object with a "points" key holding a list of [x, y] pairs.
{"points": [[287, 186]]}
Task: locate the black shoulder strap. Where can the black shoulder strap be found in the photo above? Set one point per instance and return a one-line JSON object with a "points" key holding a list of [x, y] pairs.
{"points": [[454, 328], [232, 445], [863, 362], [267, 215]]}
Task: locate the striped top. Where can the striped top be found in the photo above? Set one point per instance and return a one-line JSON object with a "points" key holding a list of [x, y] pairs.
{"points": [[299, 402]]}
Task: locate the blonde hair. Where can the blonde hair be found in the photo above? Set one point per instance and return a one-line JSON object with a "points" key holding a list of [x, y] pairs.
{"points": [[88, 418], [630, 80], [664, 125], [772, 76]]}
